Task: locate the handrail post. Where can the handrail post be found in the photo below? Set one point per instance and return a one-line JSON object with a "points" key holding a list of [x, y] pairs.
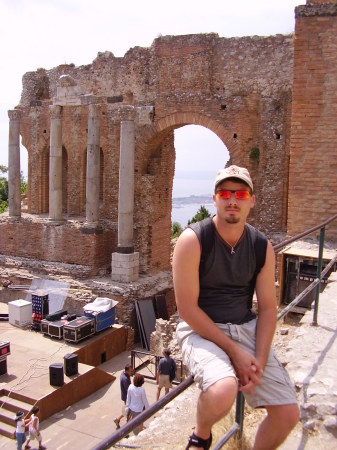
{"points": [[133, 359], [319, 274], [239, 412]]}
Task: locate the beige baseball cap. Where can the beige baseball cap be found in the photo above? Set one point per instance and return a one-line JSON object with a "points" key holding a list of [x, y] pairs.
{"points": [[233, 172]]}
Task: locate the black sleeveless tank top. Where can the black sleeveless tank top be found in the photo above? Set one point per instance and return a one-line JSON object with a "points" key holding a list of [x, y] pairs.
{"points": [[227, 281]]}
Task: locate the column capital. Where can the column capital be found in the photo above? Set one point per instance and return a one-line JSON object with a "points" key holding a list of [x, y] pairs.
{"points": [[14, 114], [94, 109], [55, 111], [127, 112]]}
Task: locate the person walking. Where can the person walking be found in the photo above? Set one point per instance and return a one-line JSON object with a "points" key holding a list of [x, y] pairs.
{"points": [[136, 399], [33, 424], [218, 263], [125, 381], [166, 372], [20, 434]]}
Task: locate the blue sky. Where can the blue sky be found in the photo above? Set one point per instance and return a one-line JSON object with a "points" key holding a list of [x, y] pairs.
{"points": [[46, 33]]}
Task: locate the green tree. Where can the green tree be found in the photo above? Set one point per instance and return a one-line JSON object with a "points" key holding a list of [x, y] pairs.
{"points": [[3, 189], [176, 230], [201, 214], [24, 183]]}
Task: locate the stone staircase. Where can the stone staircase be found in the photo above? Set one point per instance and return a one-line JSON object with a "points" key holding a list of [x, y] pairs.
{"points": [[10, 403]]}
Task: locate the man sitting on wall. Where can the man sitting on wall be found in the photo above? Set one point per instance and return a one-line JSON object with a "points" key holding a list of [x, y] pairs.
{"points": [[217, 265]]}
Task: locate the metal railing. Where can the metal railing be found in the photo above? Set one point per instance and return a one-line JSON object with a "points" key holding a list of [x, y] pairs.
{"points": [[237, 427], [134, 423]]}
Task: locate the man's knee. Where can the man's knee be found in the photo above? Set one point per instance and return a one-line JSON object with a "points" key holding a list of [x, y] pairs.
{"points": [[293, 415], [221, 394], [285, 415]]}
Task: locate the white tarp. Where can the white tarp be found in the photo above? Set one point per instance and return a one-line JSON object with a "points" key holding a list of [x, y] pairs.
{"points": [[101, 304]]}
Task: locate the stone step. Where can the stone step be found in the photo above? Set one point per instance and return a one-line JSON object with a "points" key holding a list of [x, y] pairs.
{"points": [[7, 416], [10, 403], [14, 405], [7, 430]]}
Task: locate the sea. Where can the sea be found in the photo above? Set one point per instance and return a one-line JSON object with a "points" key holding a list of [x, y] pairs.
{"points": [[188, 195], [182, 213]]}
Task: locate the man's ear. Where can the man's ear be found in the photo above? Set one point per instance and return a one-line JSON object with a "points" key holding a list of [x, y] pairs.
{"points": [[214, 202], [252, 201]]}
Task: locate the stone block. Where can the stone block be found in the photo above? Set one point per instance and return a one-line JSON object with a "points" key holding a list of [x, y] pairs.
{"points": [[125, 267]]}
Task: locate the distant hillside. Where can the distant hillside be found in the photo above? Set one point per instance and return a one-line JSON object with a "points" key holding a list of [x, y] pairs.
{"points": [[200, 199]]}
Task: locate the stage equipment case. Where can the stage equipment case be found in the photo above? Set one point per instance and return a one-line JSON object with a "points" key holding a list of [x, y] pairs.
{"points": [[45, 326], [78, 329], [5, 350], [20, 313], [104, 319], [56, 328]]}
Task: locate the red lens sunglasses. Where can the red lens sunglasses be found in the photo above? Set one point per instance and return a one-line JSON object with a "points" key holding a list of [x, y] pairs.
{"points": [[225, 194]]}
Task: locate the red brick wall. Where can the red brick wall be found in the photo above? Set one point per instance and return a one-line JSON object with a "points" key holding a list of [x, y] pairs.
{"points": [[313, 156], [68, 243]]}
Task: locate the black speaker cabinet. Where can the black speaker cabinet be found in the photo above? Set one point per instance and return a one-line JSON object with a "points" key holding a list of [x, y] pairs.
{"points": [[70, 364], [3, 366], [56, 375]]}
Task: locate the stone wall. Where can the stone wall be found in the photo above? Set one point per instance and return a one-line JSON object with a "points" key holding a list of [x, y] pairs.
{"points": [[313, 161], [239, 88], [69, 243]]}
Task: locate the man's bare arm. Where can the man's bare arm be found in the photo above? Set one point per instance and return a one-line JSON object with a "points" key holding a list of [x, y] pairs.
{"points": [[267, 311]]}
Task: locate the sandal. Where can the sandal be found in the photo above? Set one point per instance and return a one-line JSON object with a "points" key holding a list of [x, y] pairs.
{"points": [[196, 441]]}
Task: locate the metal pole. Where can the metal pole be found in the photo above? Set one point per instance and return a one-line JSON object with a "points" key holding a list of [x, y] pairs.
{"points": [[319, 274], [239, 413]]}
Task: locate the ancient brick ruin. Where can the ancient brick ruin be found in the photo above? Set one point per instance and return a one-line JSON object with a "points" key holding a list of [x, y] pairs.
{"points": [[101, 154]]}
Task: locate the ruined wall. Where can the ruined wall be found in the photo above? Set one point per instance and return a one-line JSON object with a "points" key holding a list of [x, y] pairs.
{"points": [[313, 157], [70, 243], [239, 88]]}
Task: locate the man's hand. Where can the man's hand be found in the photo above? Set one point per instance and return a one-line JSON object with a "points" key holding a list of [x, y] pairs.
{"points": [[253, 381], [248, 370]]}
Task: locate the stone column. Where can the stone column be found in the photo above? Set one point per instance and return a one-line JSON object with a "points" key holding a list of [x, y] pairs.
{"points": [[125, 262], [126, 187], [14, 181], [93, 165], [55, 164]]}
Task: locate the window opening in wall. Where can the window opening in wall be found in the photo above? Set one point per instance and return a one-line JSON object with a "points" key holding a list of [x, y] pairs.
{"points": [[24, 176], [235, 136], [200, 153], [223, 107], [278, 136]]}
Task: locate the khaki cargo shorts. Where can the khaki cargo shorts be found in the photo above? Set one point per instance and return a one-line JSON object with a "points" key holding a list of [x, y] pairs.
{"points": [[208, 363], [164, 381]]}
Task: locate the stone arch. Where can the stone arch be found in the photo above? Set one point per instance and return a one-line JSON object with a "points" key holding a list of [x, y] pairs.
{"points": [[177, 120], [153, 197]]}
